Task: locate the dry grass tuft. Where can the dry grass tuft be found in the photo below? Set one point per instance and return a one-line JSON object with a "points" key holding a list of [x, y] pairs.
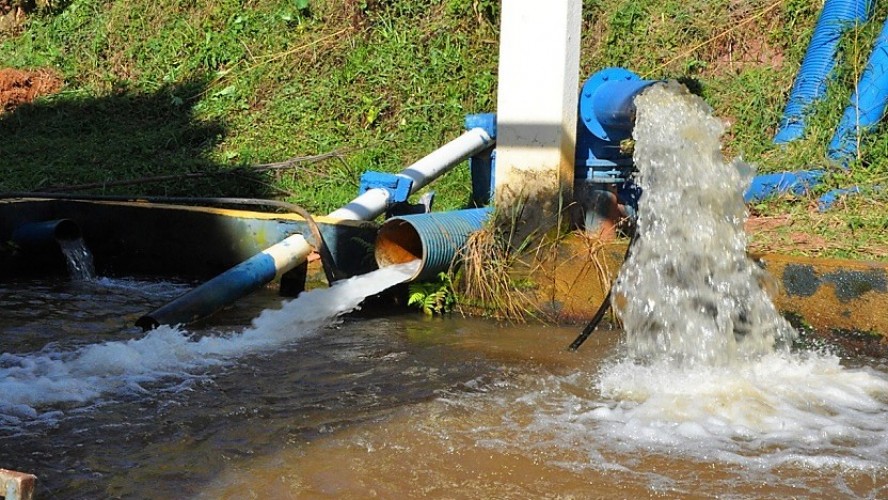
{"points": [[486, 278]]}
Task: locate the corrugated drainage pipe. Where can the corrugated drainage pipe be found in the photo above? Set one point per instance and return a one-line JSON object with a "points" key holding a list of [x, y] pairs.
{"points": [[276, 260], [768, 185], [867, 105], [810, 85], [434, 239]]}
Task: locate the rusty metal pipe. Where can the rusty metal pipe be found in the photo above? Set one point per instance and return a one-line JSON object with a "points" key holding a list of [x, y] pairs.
{"points": [[434, 239]]}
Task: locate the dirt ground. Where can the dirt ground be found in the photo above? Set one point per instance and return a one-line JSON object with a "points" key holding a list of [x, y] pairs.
{"points": [[19, 87]]}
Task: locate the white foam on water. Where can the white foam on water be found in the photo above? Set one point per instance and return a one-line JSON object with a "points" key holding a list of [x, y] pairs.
{"points": [[802, 409], [31, 381], [706, 369]]}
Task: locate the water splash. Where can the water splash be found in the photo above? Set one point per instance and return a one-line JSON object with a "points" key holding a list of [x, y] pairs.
{"points": [[30, 381], [79, 259], [708, 370], [689, 292]]}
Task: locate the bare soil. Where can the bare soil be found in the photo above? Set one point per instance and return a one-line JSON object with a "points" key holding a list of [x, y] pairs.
{"points": [[19, 87]]}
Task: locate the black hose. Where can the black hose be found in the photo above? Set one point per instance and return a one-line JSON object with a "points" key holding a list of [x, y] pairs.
{"points": [[602, 309], [181, 200]]}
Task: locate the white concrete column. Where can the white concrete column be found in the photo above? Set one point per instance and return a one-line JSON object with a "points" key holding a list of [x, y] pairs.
{"points": [[539, 61]]}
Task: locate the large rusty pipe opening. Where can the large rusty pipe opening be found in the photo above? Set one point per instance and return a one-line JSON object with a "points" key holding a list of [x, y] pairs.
{"points": [[434, 239], [398, 242]]}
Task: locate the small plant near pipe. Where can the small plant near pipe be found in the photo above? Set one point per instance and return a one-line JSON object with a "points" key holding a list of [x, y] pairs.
{"points": [[433, 297]]}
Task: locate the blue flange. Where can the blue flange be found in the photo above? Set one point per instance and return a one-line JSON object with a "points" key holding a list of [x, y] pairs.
{"points": [[606, 107]]}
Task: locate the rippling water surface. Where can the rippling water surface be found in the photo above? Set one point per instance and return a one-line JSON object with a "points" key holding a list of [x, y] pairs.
{"points": [[403, 406]]}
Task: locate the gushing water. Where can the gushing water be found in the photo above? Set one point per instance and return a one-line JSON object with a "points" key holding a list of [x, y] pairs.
{"points": [[31, 381], [79, 259], [688, 292], [707, 366]]}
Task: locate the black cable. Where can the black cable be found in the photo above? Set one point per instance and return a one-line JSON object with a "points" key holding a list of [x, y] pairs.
{"points": [[182, 200], [602, 309]]}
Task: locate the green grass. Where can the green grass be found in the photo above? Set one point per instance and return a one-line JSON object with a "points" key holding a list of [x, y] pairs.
{"points": [[211, 88]]}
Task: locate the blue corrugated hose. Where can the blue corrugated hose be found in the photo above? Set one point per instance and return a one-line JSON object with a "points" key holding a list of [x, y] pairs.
{"points": [[810, 84], [867, 105]]}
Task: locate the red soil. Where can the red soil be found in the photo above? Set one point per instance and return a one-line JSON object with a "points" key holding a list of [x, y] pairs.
{"points": [[19, 87]]}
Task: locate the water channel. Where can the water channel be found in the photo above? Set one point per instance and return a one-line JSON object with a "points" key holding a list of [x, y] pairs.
{"points": [[401, 406]]}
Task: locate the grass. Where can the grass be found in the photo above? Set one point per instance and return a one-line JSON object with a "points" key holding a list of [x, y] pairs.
{"points": [[486, 278], [213, 88]]}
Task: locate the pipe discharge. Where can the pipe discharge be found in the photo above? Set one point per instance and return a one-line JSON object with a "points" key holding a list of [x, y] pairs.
{"points": [[836, 17], [271, 263], [868, 103], [45, 233], [242, 279], [433, 238]]}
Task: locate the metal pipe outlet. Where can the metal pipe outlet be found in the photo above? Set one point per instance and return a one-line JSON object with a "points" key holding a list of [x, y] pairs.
{"points": [[44, 233], [434, 239]]}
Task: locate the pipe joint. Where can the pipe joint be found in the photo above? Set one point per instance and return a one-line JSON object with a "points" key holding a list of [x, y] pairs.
{"points": [[397, 186]]}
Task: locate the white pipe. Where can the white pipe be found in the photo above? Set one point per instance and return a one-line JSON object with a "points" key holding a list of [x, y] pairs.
{"points": [[373, 202], [294, 250]]}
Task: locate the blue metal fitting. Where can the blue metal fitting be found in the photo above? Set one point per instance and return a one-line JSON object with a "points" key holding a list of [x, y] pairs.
{"points": [[397, 185], [485, 121], [606, 107], [483, 164], [606, 117], [604, 185]]}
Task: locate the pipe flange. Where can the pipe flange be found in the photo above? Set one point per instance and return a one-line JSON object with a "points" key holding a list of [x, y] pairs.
{"points": [[589, 92]]}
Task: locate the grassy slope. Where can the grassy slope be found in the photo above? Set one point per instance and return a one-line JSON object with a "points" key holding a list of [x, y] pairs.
{"points": [[165, 86]]}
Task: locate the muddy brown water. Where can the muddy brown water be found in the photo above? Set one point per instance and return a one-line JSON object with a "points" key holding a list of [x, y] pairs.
{"points": [[388, 407]]}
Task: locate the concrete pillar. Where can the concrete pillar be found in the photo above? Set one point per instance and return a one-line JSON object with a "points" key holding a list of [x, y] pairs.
{"points": [[539, 62]]}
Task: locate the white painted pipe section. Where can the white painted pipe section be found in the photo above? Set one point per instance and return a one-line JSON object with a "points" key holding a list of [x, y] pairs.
{"points": [[373, 202], [277, 259]]}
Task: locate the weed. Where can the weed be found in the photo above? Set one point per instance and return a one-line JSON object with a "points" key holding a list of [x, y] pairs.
{"points": [[485, 279], [432, 297]]}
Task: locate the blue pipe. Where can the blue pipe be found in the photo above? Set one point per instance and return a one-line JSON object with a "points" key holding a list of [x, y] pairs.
{"points": [[607, 108], [41, 234], [836, 17], [434, 239], [238, 281], [867, 105], [602, 170], [795, 183]]}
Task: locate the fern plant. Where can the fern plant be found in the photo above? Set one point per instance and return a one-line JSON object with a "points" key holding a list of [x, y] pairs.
{"points": [[433, 297]]}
